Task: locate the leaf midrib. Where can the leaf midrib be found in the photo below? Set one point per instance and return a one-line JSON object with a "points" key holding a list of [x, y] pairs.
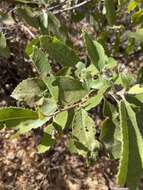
{"points": [[18, 118]]}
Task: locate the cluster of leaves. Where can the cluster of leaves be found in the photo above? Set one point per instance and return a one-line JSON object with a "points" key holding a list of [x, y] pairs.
{"points": [[61, 101], [121, 19]]}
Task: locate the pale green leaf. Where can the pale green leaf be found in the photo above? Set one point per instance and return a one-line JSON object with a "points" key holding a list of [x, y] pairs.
{"points": [[138, 35], [40, 60], [29, 91], [30, 44], [83, 133], [111, 63], [92, 69], [4, 50], [47, 106], [99, 83], [59, 122], [136, 89], [132, 5], [137, 92], [126, 80]]}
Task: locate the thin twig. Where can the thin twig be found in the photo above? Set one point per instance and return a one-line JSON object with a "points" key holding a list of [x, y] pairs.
{"points": [[28, 31], [109, 181], [66, 109], [72, 8], [56, 6], [56, 12], [111, 184]]}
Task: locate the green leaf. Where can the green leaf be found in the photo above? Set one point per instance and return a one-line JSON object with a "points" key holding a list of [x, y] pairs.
{"points": [[75, 147], [4, 50], [110, 130], [12, 116], [40, 60], [80, 70], [126, 80], [111, 63], [92, 69], [60, 120], [55, 26], [57, 50], [26, 126], [65, 71], [83, 133], [53, 89], [137, 92], [29, 16], [93, 101], [124, 160], [131, 163], [44, 21], [54, 23], [30, 44], [139, 114], [47, 106], [95, 52], [6, 19], [137, 16], [132, 5], [108, 109], [70, 90], [140, 76], [70, 118], [29, 91], [110, 136], [47, 141], [136, 89], [110, 11], [99, 83], [21, 119], [138, 35]]}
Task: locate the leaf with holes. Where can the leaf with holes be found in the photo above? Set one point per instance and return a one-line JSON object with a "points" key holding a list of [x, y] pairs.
{"points": [[29, 91], [83, 133]]}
